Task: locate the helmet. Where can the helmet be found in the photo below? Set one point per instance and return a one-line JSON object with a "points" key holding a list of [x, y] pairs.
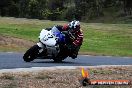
{"points": [[74, 26]]}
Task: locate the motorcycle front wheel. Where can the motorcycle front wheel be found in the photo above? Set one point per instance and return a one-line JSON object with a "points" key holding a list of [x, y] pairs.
{"points": [[31, 54]]}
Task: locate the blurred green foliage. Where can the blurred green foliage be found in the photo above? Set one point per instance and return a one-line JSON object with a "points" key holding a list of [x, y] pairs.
{"points": [[84, 10]]}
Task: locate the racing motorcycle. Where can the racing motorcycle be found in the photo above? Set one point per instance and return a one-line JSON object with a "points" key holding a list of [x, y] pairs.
{"points": [[51, 45]]}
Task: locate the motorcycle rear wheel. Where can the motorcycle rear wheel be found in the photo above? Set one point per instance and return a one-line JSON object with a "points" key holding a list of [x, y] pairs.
{"points": [[31, 54], [58, 60]]}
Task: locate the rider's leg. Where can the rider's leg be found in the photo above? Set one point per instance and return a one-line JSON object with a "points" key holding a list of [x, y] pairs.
{"points": [[75, 52]]}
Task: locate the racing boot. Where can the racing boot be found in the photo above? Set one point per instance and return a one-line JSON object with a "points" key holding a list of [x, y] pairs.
{"points": [[74, 51], [73, 56]]}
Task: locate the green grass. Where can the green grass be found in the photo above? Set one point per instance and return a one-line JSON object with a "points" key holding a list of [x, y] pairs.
{"points": [[108, 39], [23, 28], [99, 38]]}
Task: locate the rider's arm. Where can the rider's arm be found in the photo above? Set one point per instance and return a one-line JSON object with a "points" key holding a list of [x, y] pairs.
{"points": [[79, 39]]}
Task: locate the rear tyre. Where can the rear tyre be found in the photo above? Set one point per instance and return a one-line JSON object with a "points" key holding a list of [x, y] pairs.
{"points": [[57, 60], [31, 54], [63, 54]]}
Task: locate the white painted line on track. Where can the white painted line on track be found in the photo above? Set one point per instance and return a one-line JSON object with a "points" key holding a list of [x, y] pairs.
{"points": [[107, 56], [37, 69]]}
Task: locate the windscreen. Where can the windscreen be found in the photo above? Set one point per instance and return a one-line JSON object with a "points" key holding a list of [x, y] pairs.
{"points": [[58, 34]]}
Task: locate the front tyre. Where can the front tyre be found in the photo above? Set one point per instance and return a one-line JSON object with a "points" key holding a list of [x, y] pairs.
{"points": [[31, 54]]}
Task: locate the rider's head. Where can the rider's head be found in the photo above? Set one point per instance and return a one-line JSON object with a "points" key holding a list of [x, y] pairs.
{"points": [[74, 26]]}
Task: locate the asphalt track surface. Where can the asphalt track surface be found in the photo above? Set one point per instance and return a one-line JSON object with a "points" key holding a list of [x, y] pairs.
{"points": [[14, 60]]}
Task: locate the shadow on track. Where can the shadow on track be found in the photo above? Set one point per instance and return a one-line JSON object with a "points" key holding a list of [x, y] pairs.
{"points": [[63, 63]]}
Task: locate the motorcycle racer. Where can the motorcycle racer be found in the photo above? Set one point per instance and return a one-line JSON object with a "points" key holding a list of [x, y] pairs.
{"points": [[75, 33], [57, 43]]}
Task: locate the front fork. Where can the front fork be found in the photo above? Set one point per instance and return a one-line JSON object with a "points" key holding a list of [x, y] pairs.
{"points": [[42, 47]]}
